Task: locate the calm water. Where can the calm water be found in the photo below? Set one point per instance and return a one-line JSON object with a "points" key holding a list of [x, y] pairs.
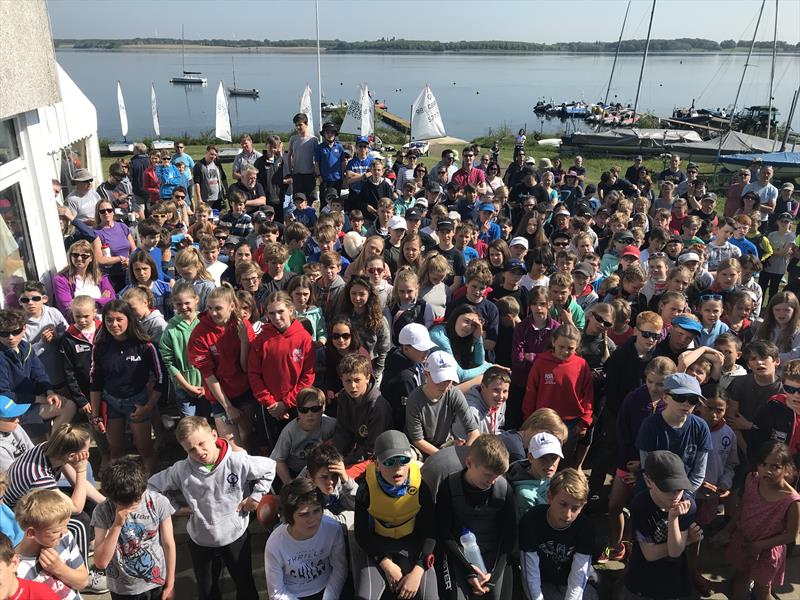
{"points": [[474, 92]]}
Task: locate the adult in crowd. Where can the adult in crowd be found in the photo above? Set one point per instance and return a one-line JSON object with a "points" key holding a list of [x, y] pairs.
{"points": [[302, 147], [329, 160], [248, 156], [273, 175], [81, 277], [113, 244], [83, 198], [250, 188], [209, 179]]}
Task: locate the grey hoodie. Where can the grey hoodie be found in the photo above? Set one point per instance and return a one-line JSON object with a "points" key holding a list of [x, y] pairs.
{"points": [[213, 495], [154, 325], [488, 421]]}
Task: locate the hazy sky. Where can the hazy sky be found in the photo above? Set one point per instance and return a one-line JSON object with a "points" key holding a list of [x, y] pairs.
{"points": [[447, 20]]}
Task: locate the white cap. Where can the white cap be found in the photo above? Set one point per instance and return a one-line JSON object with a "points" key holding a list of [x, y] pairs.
{"points": [[687, 257], [374, 154], [454, 215], [563, 211], [417, 336], [544, 443], [442, 367], [422, 202], [397, 222], [519, 241]]}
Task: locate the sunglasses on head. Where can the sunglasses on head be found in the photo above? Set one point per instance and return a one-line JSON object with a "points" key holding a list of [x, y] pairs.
{"points": [[304, 410], [5, 334], [705, 297], [650, 335], [690, 398], [28, 299], [790, 389], [396, 460]]}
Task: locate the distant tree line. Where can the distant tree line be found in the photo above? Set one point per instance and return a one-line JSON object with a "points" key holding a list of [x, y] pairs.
{"points": [[402, 45]]}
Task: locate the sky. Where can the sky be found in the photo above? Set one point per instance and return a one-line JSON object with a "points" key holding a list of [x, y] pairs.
{"points": [[545, 21]]}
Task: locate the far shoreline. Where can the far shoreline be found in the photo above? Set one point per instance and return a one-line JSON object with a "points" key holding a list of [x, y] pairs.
{"points": [[200, 49]]}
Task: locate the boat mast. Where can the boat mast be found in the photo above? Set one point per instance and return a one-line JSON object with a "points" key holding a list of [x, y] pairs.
{"points": [[644, 61], [741, 81], [233, 66], [183, 52], [319, 68], [772, 73], [614, 65]]}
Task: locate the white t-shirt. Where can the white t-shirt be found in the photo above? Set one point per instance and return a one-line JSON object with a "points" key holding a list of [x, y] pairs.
{"points": [[299, 568], [86, 288]]}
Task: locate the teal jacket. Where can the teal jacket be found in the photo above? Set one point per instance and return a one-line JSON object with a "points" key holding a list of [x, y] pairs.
{"points": [[439, 337], [174, 342]]}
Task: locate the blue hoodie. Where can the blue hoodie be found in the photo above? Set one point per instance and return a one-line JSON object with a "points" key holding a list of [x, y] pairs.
{"points": [[22, 374]]}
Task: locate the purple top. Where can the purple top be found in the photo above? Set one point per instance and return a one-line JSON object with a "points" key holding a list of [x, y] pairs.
{"points": [[64, 291], [116, 237], [636, 407], [528, 339]]}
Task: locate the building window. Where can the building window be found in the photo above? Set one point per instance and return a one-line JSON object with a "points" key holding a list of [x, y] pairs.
{"points": [[16, 255], [9, 146]]}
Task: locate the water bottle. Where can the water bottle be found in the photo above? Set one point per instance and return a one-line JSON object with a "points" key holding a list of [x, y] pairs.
{"points": [[471, 550], [106, 250]]}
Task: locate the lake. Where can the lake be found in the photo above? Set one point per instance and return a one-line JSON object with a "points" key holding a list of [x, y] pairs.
{"points": [[475, 92]]}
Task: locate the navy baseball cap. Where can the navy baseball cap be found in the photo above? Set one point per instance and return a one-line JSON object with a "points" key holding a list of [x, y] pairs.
{"points": [[514, 264], [362, 139]]}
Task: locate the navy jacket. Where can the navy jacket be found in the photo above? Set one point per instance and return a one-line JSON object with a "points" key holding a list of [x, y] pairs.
{"points": [[22, 375]]}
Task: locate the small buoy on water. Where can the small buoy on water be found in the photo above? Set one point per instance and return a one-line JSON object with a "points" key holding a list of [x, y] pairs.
{"points": [[477, 91], [454, 83]]}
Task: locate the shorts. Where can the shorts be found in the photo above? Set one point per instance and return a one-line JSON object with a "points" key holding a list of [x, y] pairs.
{"points": [[239, 401], [122, 408]]}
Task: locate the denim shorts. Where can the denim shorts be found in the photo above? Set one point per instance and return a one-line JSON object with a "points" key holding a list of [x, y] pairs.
{"points": [[122, 408]]}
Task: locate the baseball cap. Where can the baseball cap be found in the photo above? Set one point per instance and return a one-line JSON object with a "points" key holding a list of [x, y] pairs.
{"points": [[519, 241], [454, 216], [331, 193], [433, 187], [665, 469], [444, 225], [362, 139], [631, 251], [260, 216], [397, 222], [417, 336], [232, 240], [487, 207], [680, 384], [689, 324], [675, 238], [442, 367], [623, 235], [584, 268], [544, 443], [514, 264], [530, 161], [10, 409], [562, 210], [688, 257], [785, 217], [392, 443], [709, 196], [299, 196], [421, 202], [412, 214], [638, 157], [572, 173], [268, 209], [788, 186]]}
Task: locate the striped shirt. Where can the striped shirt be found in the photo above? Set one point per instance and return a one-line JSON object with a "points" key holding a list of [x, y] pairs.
{"points": [[67, 549], [30, 471]]}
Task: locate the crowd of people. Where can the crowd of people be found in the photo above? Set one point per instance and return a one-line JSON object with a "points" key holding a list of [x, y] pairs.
{"points": [[405, 371]]}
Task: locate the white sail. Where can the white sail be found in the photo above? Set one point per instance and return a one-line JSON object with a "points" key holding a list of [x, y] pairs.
{"points": [[306, 107], [359, 116], [426, 120], [123, 114], [223, 126], [154, 109]]}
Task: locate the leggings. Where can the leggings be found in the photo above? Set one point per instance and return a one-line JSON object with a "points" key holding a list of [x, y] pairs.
{"points": [[371, 582], [238, 559]]}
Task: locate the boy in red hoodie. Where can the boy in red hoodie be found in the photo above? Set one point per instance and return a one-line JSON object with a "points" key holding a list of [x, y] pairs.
{"points": [[562, 380], [280, 364], [218, 348]]}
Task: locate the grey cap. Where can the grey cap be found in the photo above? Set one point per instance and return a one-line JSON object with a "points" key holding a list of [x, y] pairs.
{"points": [[665, 469], [82, 175], [392, 443]]}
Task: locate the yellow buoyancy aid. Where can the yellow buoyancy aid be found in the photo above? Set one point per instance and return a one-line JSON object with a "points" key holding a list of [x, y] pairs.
{"points": [[394, 517]]}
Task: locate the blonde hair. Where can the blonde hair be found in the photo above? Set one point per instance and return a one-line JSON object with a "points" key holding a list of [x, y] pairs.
{"points": [[66, 439], [140, 292], [190, 258], [433, 262], [403, 275], [571, 481], [83, 302], [92, 269], [548, 420], [490, 452], [40, 509], [190, 425], [226, 294]]}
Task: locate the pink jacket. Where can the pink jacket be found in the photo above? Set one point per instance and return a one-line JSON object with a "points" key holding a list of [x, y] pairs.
{"points": [[64, 293]]}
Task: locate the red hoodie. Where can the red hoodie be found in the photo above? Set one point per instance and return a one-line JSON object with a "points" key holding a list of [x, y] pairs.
{"points": [[281, 364], [565, 386], [214, 350]]}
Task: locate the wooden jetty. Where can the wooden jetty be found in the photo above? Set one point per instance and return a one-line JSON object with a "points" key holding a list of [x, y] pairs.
{"points": [[398, 123]]}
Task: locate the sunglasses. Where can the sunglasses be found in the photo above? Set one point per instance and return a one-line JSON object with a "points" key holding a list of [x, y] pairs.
{"points": [[396, 460], [658, 255], [650, 335], [5, 334], [81, 256], [705, 297], [602, 321], [790, 389], [561, 244], [341, 336], [304, 410], [29, 299], [375, 270], [690, 398], [179, 196], [105, 211]]}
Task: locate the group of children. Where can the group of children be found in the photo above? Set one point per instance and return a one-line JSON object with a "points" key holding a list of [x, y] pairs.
{"points": [[428, 391]]}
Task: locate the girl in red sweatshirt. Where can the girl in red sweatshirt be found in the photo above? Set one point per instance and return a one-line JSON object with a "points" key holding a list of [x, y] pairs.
{"points": [[281, 364], [562, 380], [218, 348]]}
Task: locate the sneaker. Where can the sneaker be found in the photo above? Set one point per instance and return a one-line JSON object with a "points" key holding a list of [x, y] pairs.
{"points": [[97, 583], [612, 554]]}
